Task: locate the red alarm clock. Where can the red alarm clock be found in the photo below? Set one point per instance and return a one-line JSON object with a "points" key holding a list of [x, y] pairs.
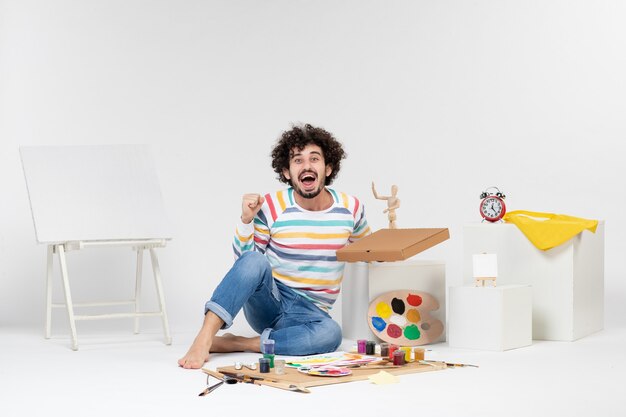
{"points": [[492, 206]]}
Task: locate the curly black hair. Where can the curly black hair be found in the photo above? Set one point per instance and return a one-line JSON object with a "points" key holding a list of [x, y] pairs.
{"points": [[301, 136]]}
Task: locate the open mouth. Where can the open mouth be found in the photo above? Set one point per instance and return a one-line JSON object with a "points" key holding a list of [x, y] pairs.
{"points": [[308, 179]]}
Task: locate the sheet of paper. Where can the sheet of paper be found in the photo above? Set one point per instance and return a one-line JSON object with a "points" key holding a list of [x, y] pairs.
{"points": [[334, 358], [383, 378]]}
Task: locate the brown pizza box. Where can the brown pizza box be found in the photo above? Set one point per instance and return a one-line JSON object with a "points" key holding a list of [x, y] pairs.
{"points": [[392, 245]]}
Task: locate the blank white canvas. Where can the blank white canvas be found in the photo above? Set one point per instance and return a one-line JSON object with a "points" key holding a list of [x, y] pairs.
{"points": [[485, 265], [88, 193]]}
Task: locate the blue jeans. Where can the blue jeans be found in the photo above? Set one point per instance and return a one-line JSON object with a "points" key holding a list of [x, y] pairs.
{"points": [[274, 310]]}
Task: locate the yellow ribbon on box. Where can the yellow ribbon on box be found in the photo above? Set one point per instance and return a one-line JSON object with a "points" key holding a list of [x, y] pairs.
{"points": [[547, 230]]}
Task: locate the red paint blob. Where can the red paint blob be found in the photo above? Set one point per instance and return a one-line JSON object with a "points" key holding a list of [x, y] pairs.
{"points": [[414, 300], [394, 331]]}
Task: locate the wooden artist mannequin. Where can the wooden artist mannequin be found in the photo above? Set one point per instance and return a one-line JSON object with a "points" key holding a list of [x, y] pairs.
{"points": [[393, 203]]}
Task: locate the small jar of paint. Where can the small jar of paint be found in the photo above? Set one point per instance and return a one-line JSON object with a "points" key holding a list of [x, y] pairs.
{"points": [[392, 349], [407, 353], [279, 366], [264, 365], [384, 349], [268, 346], [418, 353], [398, 357], [370, 347], [270, 357], [361, 345]]}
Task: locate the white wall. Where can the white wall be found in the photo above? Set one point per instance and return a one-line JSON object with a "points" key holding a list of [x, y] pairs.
{"points": [[443, 98]]}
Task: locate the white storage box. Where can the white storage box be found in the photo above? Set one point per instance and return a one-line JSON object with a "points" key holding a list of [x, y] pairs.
{"points": [[567, 281], [490, 318], [363, 282]]}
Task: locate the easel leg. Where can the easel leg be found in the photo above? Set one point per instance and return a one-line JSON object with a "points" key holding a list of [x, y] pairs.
{"points": [[138, 275], [68, 295], [159, 287], [49, 290]]}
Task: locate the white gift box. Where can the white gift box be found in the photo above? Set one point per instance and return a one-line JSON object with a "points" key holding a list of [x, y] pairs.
{"points": [[490, 318], [567, 281]]}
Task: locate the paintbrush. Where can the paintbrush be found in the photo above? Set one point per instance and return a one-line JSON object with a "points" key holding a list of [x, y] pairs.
{"points": [[373, 365], [449, 365], [248, 379], [459, 365]]}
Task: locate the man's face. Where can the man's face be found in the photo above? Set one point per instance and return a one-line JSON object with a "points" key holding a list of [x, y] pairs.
{"points": [[307, 171]]}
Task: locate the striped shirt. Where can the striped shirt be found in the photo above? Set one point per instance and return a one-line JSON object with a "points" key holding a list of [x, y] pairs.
{"points": [[301, 245]]}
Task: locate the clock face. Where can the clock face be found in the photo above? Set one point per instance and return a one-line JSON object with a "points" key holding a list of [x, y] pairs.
{"points": [[492, 208]]}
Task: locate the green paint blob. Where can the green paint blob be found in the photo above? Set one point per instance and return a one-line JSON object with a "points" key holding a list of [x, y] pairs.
{"points": [[412, 332]]}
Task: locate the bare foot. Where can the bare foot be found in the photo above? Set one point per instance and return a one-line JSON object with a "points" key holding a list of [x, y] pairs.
{"points": [[196, 356], [198, 353], [227, 342]]}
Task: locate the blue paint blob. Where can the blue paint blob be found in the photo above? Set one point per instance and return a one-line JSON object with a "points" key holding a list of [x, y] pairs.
{"points": [[378, 323]]}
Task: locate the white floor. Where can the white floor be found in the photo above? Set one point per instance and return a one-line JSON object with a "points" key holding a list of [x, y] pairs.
{"points": [[125, 374]]}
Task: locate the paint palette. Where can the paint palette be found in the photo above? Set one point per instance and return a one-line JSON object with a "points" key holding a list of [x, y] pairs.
{"points": [[402, 317]]}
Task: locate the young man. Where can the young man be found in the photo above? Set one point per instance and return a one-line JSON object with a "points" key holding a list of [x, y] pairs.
{"points": [[286, 276]]}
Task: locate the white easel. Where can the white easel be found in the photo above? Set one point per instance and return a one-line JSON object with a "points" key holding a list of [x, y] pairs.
{"points": [[138, 245], [96, 196], [485, 268]]}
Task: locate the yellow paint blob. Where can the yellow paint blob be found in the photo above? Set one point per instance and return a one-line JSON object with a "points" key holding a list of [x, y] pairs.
{"points": [[413, 315], [383, 310]]}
